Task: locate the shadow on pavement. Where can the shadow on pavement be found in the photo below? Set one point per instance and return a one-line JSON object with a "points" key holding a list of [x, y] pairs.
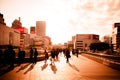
{"points": [[6, 69], [53, 68], [29, 69], [74, 67], [22, 67], [57, 60], [44, 67]]}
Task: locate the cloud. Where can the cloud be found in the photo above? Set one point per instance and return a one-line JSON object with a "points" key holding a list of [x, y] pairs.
{"points": [[96, 16]]}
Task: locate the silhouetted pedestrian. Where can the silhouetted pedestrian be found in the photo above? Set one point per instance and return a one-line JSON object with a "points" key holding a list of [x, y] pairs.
{"points": [[46, 56], [21, 56], [77, 52], [10, 56], [56, 53], [73, 51], [31, 55], [35, 56], [64, 52], [67, 52], [52, 56]]}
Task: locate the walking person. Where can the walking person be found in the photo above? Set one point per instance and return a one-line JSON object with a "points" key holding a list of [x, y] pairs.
{"points": [[52, 56], [19, 57], [73, 51], [35, 56], [23, 55], [46, 56], [56, 54], [67, 52], [77, 52], [64, 52], [10, 56], [31, 54]]}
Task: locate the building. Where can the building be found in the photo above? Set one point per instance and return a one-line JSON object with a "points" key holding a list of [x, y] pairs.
{"points": [[32, 30], [116, 36], [47, 42], [22, 30], [2, 19], [70, 45], [16, 23], [36, 41], [9, 36], [83, 41], [40, 42], [38, 38], [107, 39], [24, 36], [41, 28]]}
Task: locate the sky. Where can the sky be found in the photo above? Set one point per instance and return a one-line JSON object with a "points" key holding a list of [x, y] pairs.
{"points": [[64, 18]]}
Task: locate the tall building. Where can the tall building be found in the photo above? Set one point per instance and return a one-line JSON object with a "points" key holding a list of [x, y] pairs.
{"points": [[9, 36], [24, 36], [38, 38], [116, 36], [41, 28]]}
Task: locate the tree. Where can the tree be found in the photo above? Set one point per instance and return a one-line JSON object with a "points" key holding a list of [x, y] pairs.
{"points": [[100, 46], [93, 46]]}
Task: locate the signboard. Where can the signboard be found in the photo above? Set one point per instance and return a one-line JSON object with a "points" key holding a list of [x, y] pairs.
{"points": [[22, 30]]}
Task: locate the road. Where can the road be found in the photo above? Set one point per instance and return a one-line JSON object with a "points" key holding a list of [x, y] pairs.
{"points": [[80, 68]]}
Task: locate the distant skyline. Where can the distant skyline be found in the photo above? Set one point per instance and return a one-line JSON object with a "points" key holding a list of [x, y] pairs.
{"points": [[64, 18]]}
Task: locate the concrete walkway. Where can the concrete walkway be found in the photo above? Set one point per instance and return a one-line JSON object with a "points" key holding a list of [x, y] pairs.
{"points": [[80, 68]]}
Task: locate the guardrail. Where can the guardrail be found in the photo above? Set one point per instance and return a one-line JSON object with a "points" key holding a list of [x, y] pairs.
{"points": [[105, 56], [109, 60]]}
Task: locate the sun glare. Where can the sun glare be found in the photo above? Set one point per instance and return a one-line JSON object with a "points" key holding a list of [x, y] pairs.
{"points": [[64, 18]]}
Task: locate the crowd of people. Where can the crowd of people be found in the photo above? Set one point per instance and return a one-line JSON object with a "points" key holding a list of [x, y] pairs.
{"points": [[56, 52], [8, 56]]}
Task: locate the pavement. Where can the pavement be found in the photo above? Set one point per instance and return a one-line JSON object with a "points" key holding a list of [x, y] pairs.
{"points": [[78, 68]]}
